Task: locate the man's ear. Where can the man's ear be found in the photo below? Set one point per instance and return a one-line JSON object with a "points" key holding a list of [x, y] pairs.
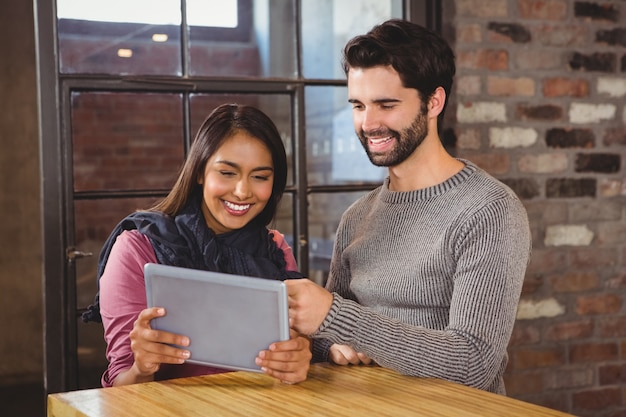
{"points": [[437, 102]]}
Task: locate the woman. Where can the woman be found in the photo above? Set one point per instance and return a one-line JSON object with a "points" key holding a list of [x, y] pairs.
{"points": [[214, 218]]}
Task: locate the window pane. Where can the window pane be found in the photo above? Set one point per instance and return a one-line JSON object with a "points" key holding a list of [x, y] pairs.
{"points": [[94, 221], [325, 211], [276, 106], [119, 37], [126, 141], [334, 153], [262, 45], [327, 26]]}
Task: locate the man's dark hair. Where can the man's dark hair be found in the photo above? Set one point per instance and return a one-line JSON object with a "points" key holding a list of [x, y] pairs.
{"points": [[421, 57]]}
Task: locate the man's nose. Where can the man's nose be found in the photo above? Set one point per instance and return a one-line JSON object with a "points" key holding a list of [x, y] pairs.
{"points": [[370, 120]]}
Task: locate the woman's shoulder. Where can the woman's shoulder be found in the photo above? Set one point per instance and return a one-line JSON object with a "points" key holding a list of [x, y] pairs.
{"points": [[133, 243]]}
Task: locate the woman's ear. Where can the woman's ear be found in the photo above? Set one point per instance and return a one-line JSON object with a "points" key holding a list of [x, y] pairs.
{"points": [[437, 102]]}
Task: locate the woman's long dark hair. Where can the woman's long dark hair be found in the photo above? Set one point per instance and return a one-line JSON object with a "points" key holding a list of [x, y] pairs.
{"points": [[224, 122]]}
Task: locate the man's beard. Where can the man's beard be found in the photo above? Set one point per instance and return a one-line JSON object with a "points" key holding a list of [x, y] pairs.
{"points": [[407, 140]]}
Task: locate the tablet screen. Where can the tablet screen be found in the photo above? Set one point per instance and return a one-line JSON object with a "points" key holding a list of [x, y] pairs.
{"points": [[228, 318]]}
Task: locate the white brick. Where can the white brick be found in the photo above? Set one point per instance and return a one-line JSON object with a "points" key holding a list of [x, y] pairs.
{"points": [[543, 163], [534, 309], [468, 85], [591, 113], [571, 235], [614, 87], [511, 137], [481, 112]]}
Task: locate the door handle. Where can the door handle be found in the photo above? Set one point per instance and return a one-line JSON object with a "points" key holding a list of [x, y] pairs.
{"points": [[72, 254]]}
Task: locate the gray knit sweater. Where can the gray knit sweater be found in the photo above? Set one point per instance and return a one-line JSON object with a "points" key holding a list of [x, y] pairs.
{"points": [[427, 282]]}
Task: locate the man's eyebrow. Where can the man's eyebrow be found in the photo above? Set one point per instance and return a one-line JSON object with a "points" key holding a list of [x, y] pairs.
{"points": [[377, 101]]}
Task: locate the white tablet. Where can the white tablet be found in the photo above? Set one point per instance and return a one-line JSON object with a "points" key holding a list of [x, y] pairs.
{"points": [[228, 318]]}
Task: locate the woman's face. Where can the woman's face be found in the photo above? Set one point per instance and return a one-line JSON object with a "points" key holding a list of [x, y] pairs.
{"points": [[237, 183]]}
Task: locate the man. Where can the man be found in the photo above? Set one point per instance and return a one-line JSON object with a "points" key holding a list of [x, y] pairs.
{"points": [[427, 269]]}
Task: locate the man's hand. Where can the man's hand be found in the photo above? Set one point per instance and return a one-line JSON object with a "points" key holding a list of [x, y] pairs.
{"points": [[345, 355], [308, 305]]}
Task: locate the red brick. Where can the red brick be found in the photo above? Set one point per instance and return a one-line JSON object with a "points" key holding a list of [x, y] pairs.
{"points": [[523, 383], [569, 377], [493, 60], [594, 352], [546, 260], [593, 257], [507, 86], [468, 33], [525, 332], [575, 330], [481, 8], [558, 87], [618, 282], [533, 358], [542, 9], [612, 374], [614, 326], [532, 284], [493, 163], [596, 399], [574, 281], [598, 304]]}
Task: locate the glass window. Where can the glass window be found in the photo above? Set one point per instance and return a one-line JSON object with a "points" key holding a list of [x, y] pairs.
{"points": [[325, 210], [328, 25], [334, 153], [126, 141], [261, 45], [119, 37]]}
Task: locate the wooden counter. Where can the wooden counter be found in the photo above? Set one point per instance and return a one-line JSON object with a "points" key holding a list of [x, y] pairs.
{"points": [[329, 391]]}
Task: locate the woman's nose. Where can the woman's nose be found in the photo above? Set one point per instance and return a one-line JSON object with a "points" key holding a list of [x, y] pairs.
{"points": [[242, 190]]}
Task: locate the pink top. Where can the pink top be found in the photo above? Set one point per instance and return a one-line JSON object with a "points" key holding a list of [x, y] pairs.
{"points": [[123, 297]]}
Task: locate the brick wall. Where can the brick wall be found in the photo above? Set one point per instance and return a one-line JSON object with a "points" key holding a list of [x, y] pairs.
{"points": [[539, 103]]}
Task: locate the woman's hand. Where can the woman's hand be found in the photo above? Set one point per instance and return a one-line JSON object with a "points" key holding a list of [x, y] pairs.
{"points": [[288, 361], [345, 355], [151, 348]]}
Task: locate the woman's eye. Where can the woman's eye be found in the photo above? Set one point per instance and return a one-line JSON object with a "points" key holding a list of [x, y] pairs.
{"points": [[227, 173], [261, 177]]}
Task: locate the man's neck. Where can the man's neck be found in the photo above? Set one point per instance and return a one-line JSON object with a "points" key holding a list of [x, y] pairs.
{"points": [[430, 164]]}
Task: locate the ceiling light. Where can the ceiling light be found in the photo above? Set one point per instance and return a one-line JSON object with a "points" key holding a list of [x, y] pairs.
{"points": [[159, 37], [124, 53]]}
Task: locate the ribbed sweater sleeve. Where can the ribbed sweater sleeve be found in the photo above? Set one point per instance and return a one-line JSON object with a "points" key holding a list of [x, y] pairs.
{"points": [[427, 282]]}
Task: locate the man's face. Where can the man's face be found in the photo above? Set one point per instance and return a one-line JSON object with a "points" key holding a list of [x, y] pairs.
{"points": [[389, 119]]}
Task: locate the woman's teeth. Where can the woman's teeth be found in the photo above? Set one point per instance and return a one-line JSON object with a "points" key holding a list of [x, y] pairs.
{"points": [[237, 207]]}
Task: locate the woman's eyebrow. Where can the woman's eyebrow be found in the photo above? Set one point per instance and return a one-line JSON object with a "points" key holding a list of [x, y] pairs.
{"points": [[236, 165]]}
